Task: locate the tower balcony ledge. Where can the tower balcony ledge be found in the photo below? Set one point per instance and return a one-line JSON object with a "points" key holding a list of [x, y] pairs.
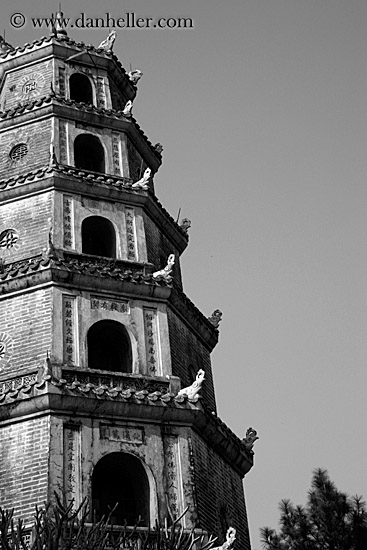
{"points": [[65, 178], [66, 48], [85, 113], [81, 269], [105, 395]]}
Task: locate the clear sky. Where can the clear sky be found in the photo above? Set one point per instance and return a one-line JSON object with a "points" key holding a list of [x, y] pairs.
{"points": [[261, 109]]}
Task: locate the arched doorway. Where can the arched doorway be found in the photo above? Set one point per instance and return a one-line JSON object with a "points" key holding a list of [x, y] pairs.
{"points": [[119, 481], [109, 347]]}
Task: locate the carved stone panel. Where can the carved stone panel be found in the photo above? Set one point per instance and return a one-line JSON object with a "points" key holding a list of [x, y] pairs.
{"points": [[108, 304], [68, 222], [69, 329], [72, 464], [116, 155], [63, 142], [122, 434], [152, 344], [101, 95], [173, 475], [132, 252]]}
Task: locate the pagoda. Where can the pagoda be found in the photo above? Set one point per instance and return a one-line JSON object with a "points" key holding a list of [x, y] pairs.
{"points": [[106, 387]]}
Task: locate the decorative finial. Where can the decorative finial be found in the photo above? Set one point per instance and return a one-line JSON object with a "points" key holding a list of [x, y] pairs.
{"points": [[165, 273], [193, 390], [215, 318], [5, 47], [107, 43], [135, 75], [159, 148], [230, 538], [249, 440], [185, 224], [60, 24], [143, 182], [127, 109]]}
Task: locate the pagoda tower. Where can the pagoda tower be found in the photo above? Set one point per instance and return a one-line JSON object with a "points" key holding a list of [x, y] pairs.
{"points": [[97, 337]]}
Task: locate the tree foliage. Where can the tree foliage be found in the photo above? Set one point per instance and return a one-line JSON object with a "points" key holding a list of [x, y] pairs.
{"points": [[330, 520], [60, 527]]}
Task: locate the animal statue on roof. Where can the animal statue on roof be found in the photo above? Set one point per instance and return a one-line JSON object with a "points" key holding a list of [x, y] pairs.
{"points": [[230, 538], [5, 47], [165, 273], [135, 75], [249, 440], [127, 109], [215, 318], [107, 43], [185, 224], [143, 182], [193, 390]]}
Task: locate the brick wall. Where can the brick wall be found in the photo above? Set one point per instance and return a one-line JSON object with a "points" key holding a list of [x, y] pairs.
{"points": [[219, 495], [26, 319], [24, 449], [26, 84], [117, 98], [159, 248], [188, 356], [30, 217], [37, 137]]}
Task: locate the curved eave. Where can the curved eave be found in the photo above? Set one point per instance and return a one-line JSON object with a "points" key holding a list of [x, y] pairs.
{"points": [[51, 397], [68, 50], [101, 186], [119, 277], [89, 115], [40, 271]]}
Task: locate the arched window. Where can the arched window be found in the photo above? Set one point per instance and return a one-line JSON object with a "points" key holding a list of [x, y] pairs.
{"points": [[98, 237], [80, 88], [89, 153], [120, 479], [109, 347]]}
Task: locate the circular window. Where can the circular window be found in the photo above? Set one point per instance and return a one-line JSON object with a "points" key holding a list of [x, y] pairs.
{"points": [[9, 239], [18, 151]]}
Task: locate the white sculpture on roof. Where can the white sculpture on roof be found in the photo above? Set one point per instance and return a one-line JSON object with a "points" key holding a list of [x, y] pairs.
{"points": [[107, 43], [215, 318], [127, 109], [5, 47], [249, 440], [230, 538], [165, 273], [185, 224], [143, 182], [135, 75], [193, 390]]}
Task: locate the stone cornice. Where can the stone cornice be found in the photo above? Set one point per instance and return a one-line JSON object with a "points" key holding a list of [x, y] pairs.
{"points": [[64, 48], [53, 104], [46, 391], [192, 316], [118, 276], [48, 40], [81, 271], [102, 186]]}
